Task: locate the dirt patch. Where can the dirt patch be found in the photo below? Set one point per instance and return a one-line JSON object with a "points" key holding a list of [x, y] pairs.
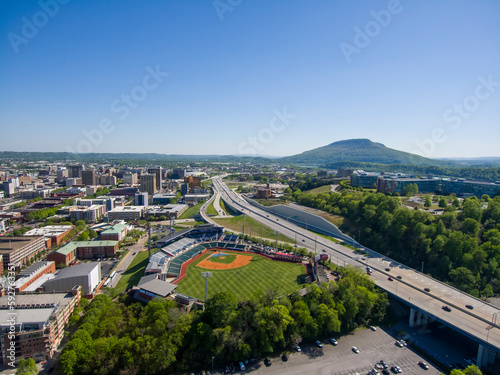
{"points": [[240, 261]]}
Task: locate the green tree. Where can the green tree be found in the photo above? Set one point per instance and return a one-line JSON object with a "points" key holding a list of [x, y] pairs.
{"points": [[443, 203], [26, 367], [428, 201], [92, 234]]}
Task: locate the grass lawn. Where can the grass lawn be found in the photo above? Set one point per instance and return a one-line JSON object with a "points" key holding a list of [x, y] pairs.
{"points": [[211, 209], [245, 282], [191, 211], [320, 190], [223, 206], [271, 202], [133, 273], [235, 223]]}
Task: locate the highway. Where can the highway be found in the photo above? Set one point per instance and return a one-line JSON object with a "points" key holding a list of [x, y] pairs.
{"points": [[476, 323]]}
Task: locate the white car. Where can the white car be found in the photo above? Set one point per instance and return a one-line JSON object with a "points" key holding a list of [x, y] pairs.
{"points": [[355, 349], [297, 348], [373, 328]]}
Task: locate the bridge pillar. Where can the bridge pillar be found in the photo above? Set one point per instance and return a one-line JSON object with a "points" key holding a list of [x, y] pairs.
{"points": [[412, 317], [424, 319], [480, 356], [492, 357], [419, 318]]}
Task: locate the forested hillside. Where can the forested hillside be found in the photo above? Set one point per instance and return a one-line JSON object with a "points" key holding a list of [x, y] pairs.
{"points": [[460, 247]]}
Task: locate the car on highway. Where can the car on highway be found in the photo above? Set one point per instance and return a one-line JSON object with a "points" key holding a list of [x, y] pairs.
{"points": [[373, 328], [399, 277], [333, 341], [388, 269], [323, 250], [319, 344], [446, 308], [424, 365], [355, 349], [303, 240], [470, 307], [390, 278], [427, 289]]}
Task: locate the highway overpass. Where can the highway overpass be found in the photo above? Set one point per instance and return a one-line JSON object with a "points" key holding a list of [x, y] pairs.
{"points": [[480, 323]]}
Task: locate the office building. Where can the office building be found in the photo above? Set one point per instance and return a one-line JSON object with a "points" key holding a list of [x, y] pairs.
{"points": [[162, 198], [54, 234], [89, 178], [126, 213], [91, 214], [75, 171], [130, 178], [178, 173], [141, 199], [33, 273], [83, 250], [148, 183], [158, 172], [115, 232], [107, 180]]}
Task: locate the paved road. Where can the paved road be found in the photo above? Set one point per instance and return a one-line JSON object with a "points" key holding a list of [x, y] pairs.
{"points": [[122, 267], [476, 322]]}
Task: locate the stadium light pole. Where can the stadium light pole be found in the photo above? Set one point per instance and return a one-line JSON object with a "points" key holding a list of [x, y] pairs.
{"points": [[206, 276]]}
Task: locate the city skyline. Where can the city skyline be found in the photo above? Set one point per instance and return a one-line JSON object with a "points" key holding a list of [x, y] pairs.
{"points": [[242, 78]]}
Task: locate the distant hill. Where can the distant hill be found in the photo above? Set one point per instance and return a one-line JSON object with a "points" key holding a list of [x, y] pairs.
{"points": [[360, 150]]}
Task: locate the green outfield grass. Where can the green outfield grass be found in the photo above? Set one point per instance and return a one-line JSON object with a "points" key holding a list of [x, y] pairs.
{"points": [[245, 282]]}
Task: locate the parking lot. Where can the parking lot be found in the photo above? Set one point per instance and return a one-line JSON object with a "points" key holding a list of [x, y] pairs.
{"points": [[341, 360]]}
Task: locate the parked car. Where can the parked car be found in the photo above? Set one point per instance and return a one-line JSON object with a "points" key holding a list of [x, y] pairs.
{"points": [[267, 362], [384, 365], [333, 341], [396, 369], [297, 348], [373, 328], [284, 358], [424, 365], [355, 349], [403, 342], [319, 344], [398, 344], [385, 372]]}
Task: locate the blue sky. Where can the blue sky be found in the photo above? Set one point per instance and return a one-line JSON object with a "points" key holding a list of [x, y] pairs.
{"points": [[244, 77]]}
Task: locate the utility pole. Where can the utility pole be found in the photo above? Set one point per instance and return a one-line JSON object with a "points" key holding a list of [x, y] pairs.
{"points": [[422, 267]]}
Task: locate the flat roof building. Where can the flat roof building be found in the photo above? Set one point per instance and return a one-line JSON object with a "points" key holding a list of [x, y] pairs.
{"points": [[54, 233], [126, 213], [86, 275], [18, 250]]}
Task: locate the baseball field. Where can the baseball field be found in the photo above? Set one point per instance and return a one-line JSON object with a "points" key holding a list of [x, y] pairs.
{"points": [[246, 275]]}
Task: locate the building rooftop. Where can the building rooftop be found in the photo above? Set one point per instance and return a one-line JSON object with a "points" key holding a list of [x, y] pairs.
{"points": [[66, 249], [155, 286], [49, 230], [9, 244], [127, 208], [115, 229], [27, 316], [27, 272], [79, 270]]}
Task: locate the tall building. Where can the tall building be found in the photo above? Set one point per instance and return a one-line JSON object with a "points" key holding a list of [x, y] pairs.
{"points": [[107, 179], [89, 177], [178, 173], [130, 178], [75, 171], [158, 172], [18, 250], [148, 183], [141, 199]]}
